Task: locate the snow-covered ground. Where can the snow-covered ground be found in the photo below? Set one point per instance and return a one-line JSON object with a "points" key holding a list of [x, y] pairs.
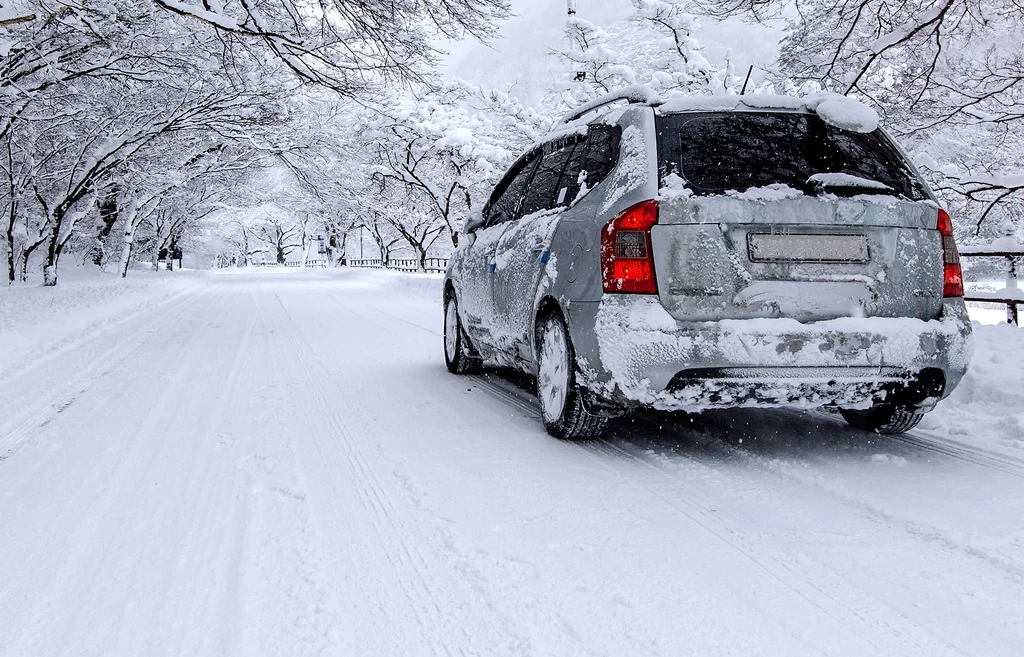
{"points": [[36, 321], [277, 463]]}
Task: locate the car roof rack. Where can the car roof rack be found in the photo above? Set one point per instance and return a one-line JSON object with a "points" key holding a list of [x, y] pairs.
{"points": [[633, 94]]}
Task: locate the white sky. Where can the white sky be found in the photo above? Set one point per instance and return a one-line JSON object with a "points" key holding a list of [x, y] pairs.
{"points": [[519, 55]]}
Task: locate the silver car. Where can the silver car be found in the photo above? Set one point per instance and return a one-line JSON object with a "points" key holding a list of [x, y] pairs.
{"points": [[710, 254]]}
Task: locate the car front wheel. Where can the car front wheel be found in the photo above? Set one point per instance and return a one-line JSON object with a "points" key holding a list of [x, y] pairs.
{"points": [[561, 399]]}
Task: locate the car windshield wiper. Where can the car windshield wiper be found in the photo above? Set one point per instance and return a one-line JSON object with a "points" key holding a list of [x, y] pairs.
{"points": [[847, 184]]}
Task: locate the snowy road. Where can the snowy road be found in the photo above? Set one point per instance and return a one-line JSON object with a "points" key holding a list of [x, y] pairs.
{"points": [[279, 464]]}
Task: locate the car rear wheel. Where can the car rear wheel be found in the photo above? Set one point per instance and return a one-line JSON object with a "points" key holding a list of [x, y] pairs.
{"points": [[561, 398], [456, 350], [882, 419]]}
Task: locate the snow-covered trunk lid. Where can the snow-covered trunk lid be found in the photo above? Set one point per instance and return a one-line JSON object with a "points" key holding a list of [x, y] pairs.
{"points": [[805, 258], [782, 214]]}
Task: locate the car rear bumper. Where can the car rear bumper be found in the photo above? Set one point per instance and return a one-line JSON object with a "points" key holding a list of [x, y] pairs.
{"points": [[632, 352]]}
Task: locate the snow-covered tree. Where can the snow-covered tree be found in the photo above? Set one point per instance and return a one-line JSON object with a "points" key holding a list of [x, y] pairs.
{"points": [[442, 156], [593, 67], [655, 46], [677, 65], [95, 91], [350, 46], [947, 75]]}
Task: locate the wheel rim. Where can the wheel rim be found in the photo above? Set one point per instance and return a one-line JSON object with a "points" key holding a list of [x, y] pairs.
{"points": [[451, 331], [553, 374]]}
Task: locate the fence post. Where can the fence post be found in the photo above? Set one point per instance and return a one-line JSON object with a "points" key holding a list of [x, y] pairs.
{"points": [[1012, 285]]}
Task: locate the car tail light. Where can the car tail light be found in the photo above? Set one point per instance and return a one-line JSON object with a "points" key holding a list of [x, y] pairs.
{"points": [[952, 275], [627, 260]]}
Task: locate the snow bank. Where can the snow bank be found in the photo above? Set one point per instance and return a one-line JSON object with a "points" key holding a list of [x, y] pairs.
{"points": [[987, 409], [415, 283], [36, 321], [1004, 243]]}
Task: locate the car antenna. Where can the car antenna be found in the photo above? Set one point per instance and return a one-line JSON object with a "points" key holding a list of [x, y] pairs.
{"points": [[749, 71]]}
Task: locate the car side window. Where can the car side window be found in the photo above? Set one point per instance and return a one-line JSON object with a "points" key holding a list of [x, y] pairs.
{"points": [[569, 185], [540, 195], [603, 152], [591, 161], [506, 205]]}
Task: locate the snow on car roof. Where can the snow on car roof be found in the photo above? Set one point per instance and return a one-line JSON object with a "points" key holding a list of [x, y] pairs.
{"points": [[835, 109]]}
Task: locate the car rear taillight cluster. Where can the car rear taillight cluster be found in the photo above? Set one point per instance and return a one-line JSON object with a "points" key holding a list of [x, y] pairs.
{"points": [[952, 275], [627, 260]]}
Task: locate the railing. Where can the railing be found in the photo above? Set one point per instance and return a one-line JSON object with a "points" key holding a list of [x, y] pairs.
{"points": [[294, 263], [372, 263], [403, 264], [1011, 295]]}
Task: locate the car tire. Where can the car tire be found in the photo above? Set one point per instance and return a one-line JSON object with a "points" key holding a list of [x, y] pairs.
{"points": [[560, 396], [889, 420], [457, 358]]}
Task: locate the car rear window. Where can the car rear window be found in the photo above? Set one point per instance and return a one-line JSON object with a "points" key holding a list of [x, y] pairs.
{"points": [[722, 151]]}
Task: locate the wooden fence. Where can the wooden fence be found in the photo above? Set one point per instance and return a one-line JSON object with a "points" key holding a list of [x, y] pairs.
{"points": [[402, 264], [1011, 295]]}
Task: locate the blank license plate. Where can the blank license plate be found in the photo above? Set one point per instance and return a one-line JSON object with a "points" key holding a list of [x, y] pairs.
{"points": [[765, 247]]}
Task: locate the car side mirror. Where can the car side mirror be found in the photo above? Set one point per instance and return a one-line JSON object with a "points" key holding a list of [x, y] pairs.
{"points": [[474, 223]]}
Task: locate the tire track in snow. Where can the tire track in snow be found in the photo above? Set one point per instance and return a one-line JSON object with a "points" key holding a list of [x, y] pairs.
{"points": [[21, 425], [927, 440], [883, 527], [99, 558], [290, 611], [816, 582], [882, 520], [396, 530], [370, 491], [512, 393]]}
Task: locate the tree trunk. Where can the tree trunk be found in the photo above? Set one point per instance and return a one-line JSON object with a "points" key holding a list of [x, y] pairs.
{"points": [[423, 257], [11, 273], [339, 246], [126, 250], [53, 249], [128, 242], [10, 245], [24, 265], [126, 257], [109, 213], [25, 255]]}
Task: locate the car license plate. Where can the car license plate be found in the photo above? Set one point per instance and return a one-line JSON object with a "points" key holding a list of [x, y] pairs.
{"points": [[767, 247]]}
